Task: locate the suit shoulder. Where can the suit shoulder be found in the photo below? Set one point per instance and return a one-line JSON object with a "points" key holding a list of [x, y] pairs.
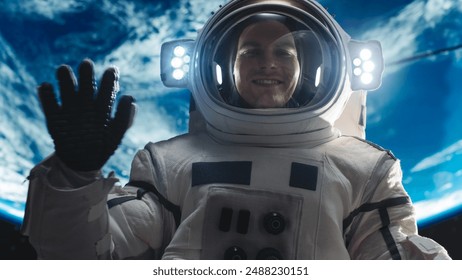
{"points": [[370, 144], [176, 140]]}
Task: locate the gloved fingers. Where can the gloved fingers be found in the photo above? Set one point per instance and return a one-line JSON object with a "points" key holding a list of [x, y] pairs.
{"points": [[48, 99], [123, 119], [67, 85], [108, 89], [87, 83]]}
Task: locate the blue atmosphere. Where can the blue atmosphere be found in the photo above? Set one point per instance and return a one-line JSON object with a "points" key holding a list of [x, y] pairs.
{"points": [[416, 113]]}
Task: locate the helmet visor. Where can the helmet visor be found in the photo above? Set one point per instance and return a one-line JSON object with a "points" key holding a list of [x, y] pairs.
{"points": [[270, 60]]}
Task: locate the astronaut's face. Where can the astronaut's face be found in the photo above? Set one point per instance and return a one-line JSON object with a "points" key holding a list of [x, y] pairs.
{"points": [[266, 70]]}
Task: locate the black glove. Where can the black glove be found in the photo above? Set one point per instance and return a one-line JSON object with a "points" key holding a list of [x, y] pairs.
{"points": [[84, 133]]}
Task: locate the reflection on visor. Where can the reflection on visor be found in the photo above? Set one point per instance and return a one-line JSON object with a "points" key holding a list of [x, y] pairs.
{"points": [[273, 63]]}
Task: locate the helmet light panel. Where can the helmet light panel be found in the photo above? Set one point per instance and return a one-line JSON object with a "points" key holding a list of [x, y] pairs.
{"points": [[175, 59], [366, 64]]}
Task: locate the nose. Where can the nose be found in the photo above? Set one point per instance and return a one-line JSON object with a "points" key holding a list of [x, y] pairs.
{"points": [[268, 61]]}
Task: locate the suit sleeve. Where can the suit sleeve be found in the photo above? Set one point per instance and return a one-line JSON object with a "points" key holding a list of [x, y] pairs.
{"points": [[67, 216], [384, 226]]}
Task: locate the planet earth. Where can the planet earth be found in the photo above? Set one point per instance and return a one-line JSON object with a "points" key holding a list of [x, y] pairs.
{"points": [[415, 113]]}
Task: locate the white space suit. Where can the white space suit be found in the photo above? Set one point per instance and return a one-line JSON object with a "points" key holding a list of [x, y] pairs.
{"points": [[278, 183]]}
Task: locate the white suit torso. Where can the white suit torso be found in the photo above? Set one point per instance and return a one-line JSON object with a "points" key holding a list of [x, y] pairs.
{"points": [[314, 189]]}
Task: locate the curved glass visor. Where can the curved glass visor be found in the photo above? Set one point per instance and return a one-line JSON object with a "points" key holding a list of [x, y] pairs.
{"points": [[273, 61]]}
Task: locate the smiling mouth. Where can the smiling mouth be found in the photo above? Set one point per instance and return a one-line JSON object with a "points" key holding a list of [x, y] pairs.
{"points": [[266, 82]]}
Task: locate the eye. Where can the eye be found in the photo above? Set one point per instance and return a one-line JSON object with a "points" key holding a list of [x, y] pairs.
{"points": [[285, 52], [250, 52]]}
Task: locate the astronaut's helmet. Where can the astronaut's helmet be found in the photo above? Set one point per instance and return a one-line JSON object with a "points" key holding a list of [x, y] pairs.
{"points": [[269, 69]]}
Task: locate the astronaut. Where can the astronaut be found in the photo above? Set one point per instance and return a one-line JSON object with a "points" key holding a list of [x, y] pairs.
{"points": [[274, 165]]}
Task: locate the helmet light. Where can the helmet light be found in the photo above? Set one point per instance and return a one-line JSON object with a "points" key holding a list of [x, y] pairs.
{"points": [[175, 57], [367, 65]]}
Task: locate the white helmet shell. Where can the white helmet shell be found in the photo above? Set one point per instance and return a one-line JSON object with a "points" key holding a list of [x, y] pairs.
{"points": [[312, 119]]}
